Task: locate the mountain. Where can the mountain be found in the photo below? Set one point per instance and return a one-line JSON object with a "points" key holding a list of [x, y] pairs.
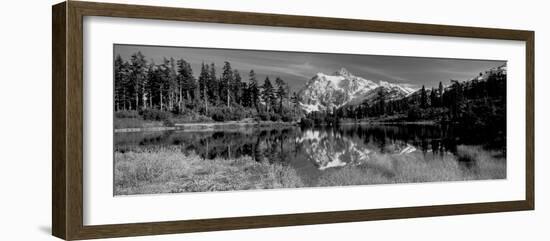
{"points": [[326, 92]]}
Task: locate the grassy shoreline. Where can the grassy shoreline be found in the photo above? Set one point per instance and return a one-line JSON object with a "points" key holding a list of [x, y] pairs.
{"points": [[171, 171], [136, 125], [381, 122], [142, 125]]}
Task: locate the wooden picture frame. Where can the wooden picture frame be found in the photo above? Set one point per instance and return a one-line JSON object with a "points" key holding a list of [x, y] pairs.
{"points": [[67, 123]]}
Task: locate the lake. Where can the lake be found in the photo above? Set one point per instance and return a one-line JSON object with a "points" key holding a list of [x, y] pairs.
{"points": [[349, 154]]}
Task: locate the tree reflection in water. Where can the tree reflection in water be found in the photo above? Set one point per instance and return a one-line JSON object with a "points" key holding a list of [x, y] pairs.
{"points": [[382, 148]]}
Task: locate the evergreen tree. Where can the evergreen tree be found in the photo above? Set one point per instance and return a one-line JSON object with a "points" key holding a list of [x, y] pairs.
{"points": [[363, 109], [225, 82], [381, 100], [254, 90], [456, 95], [282, 92], [191, 83], [181, 83], [203, 85], [423, 98], [156, 84], [138, 72], [295, 102], [121, 83], [268, 96], [237, 87], [152, 73], [172, 83], [212, 84], [433, 98], [246, 99], [187, 83], [163, 82]]}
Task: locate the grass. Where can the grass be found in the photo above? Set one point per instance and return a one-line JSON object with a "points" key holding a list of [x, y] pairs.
{"points": [[170, 171], [471, 163], [488, 164]]}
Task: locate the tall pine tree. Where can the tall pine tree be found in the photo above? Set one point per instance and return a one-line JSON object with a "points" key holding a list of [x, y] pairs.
{"points": [[138, 76], [254, 90], [237, 87], [423, 98], [121, 83], [212, 84], [172, 84], [282, 92], [203, 85], [225, 83], [268, 96]]}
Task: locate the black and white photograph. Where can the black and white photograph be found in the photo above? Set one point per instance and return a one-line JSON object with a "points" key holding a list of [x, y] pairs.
{"points": [[271, 120], [190, 119]]}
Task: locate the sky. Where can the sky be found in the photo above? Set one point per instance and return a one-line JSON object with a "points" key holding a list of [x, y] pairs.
{"points": [[296, 68]]}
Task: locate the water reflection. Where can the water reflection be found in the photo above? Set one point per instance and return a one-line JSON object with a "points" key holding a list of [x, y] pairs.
{"points": [[386, 150]]}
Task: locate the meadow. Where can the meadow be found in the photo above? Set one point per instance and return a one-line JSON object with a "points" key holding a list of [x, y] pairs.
{"points": [[168, 170]]}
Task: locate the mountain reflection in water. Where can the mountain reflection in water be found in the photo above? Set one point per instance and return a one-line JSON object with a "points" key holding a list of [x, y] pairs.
{"points": [[392, 152]]}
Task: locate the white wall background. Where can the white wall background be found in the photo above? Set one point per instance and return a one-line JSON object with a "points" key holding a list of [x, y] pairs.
{"points": [[25, 119]]}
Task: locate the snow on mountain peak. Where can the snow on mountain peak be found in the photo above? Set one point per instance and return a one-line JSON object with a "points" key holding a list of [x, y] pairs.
{"points": [[407, 90], [327, 92], [343, 72], [334, 81], [384, 84]]}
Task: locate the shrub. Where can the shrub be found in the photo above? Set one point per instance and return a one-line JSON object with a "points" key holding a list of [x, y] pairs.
{"points": [[224, 113], [126, 114], [268, 116], [189, 118], [414, 113], [286, 117], [274, 117], [155, 115], [234, 114], [168, 122], [264, 116], [305, 122], [217, 115], [121, 123]]}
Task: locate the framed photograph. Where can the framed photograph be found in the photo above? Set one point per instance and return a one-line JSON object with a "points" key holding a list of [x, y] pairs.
{"points": [[171, 120]]}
